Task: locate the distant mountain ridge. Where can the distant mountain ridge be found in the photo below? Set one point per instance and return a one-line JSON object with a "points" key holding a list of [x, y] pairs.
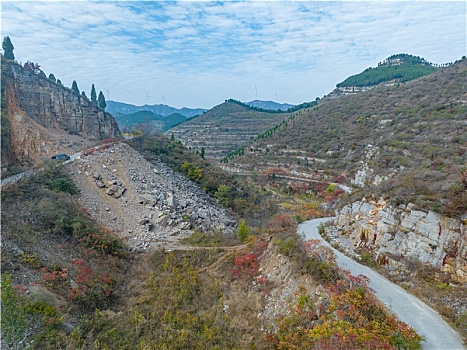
{"points": [[114, 107], [270, 105], [155, 122]]}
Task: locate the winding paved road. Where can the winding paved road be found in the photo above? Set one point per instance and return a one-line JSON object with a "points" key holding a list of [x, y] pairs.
{"points": [[427, 322]]}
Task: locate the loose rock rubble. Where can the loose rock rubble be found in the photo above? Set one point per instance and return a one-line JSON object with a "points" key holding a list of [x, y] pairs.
{"points": [[148, 205]]}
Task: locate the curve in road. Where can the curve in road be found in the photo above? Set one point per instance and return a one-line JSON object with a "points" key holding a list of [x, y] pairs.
{"points": [[426, 321]]}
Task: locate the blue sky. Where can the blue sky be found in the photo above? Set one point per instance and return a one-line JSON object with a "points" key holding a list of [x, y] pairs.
{"points": [[199, 53]]}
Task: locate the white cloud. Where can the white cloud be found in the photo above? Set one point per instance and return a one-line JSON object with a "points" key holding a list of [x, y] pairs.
{"points": [[201, 53]]}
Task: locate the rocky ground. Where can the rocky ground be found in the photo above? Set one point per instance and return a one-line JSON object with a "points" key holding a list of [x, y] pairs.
{"points": [[147, 205], [151, 206]]}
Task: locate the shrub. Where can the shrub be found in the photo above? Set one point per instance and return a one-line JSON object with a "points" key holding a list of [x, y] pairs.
{"points": [[192, 171], [13, 318], [243, 231], [64, 185], [288, 245], [88, 152]]}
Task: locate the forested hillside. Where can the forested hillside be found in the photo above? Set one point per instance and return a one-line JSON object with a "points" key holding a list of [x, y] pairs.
{"points": [[396, 69]]}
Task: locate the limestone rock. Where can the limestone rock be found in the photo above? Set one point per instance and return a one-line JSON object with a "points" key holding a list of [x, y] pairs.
{"points": [[53, 109], [404, 232]]}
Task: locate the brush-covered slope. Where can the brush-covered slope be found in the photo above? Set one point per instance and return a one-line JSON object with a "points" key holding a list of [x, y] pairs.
{"points": [[408, 141], [225, 128]]}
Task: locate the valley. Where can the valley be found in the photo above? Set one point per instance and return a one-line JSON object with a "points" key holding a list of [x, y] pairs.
{"points": [[203, 237]]}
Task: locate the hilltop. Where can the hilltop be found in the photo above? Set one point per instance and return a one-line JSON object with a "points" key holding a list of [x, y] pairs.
{"points": [[270, 105], [396, 69], [148, 120], [225, 128]]}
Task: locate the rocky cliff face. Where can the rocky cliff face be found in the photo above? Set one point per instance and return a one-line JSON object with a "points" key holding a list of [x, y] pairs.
{"points": [[398, 233], [45, 116]]}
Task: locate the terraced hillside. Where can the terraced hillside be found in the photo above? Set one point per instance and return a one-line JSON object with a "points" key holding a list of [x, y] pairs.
{"points": [[224, 128], [408, 141]]}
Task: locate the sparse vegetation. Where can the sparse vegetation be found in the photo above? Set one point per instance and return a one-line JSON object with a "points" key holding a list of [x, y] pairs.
{"points": [[13, 316], [409, 160]]}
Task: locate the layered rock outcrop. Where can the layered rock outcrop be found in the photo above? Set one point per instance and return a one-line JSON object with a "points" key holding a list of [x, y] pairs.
{"points": [[45, 116], [399, 233], [55, 106]]}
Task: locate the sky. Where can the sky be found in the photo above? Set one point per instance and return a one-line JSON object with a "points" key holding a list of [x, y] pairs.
{"points": [[199, 53]]}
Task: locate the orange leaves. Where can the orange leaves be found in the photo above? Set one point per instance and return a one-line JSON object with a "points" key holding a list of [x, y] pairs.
{"points": [[245, 266]]}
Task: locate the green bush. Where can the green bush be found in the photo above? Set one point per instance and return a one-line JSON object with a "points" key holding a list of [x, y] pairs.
{"points": [[288, 245], [13, 318], [64, 185], [243, 231], [366, 258]]}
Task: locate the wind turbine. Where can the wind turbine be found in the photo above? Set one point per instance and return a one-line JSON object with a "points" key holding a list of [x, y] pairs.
{"points": [[147, 97], [163, 99], [256, 91], [108, 94]]}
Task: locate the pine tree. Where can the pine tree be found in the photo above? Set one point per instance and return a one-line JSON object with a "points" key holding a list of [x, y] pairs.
{"points": [[202, 152], [101, 100], [243, 231], [93, 94], [8, 48], [52, 77], [74, 87]]}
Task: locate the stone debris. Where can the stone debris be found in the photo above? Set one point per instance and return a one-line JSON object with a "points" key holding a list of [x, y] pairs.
{"points": [[150, 202]]}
